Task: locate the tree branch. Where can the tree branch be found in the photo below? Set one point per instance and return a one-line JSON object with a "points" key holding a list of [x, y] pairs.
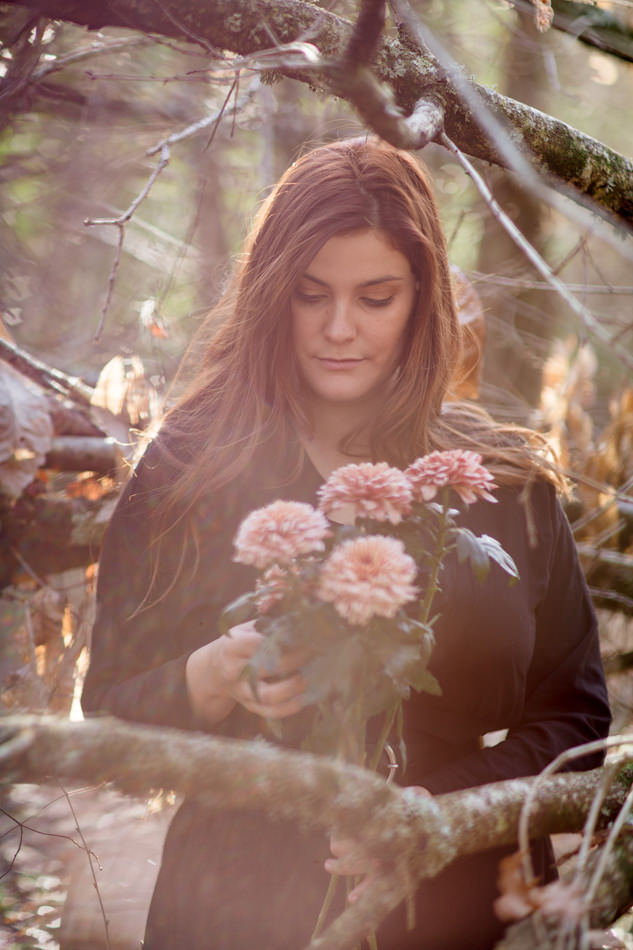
{"points": [[415, 837], [47, 376], [589, 321], [591, 25], [245, 27], [71, 387], [365, 40]]}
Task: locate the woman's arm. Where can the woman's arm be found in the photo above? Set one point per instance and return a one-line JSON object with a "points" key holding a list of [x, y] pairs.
{"points": [[566, 700], [156, 656]]}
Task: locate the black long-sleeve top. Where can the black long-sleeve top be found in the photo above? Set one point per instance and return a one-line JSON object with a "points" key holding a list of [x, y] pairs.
{"points": [[522, 657]]}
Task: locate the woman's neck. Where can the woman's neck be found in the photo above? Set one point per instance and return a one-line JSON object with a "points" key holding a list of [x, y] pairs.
{"points": [[331, 425]]}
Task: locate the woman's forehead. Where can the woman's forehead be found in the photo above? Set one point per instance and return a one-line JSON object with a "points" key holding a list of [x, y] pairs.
{"points": [[363, 256]]}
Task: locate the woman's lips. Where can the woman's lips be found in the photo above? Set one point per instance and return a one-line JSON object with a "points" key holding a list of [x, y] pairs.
{"points": [[338, 364]]}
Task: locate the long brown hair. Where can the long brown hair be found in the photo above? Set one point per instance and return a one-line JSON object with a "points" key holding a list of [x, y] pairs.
{"points": [[247, 389]]}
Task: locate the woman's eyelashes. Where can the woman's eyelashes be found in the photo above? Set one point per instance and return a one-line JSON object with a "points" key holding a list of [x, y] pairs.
{"points": [[304, 297], [315, 299], [378, 301]]}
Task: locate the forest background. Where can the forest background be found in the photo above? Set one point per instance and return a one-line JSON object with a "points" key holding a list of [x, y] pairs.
{"points": [[132, 163]]}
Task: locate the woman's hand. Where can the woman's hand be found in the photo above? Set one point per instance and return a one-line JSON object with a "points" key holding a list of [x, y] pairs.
{"points": [[216, 680], [350, 859]]}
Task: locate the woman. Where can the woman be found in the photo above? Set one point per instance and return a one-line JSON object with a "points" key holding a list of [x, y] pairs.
{"points": [[336, 341]]}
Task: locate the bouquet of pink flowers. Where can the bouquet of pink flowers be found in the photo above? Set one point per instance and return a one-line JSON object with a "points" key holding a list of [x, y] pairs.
{"points": [[357, 598]]}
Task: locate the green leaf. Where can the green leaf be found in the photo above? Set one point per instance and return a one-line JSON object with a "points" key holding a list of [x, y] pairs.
{"points": [[280, 628], [401, 662], [267, 656], [470, 548], [425, 682], [500, 555], [334, 671], [238, 611]]}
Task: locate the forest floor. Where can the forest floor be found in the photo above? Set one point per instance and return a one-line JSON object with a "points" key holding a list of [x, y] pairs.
{"points": [[52, 855]]}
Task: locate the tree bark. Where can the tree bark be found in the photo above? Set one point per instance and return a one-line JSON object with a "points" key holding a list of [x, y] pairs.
{"points": [[246, 26], [72, 453], [52, 532]]}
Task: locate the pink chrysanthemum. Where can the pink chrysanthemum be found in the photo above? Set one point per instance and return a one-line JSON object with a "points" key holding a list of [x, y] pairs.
{"points": [[457, 468], [375, 491], [280, 532], [366, 577], [271, 588]]}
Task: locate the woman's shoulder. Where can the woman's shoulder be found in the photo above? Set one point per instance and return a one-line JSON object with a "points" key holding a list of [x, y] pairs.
{"points": [[526, 516]]}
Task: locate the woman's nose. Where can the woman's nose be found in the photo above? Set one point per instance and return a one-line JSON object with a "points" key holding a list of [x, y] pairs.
{"points": [[340, 325]]}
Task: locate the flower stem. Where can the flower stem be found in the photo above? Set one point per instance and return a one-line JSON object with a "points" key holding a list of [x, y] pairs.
{"points": [[382, 740], [325, 907], [438, 556]]}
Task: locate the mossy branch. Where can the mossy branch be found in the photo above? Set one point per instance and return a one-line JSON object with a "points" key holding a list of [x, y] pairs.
{"points": [[415, 837], [410, 75]]}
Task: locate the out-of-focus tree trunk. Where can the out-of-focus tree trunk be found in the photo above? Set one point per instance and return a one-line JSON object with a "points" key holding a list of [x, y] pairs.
{"points": [[519, 324]]}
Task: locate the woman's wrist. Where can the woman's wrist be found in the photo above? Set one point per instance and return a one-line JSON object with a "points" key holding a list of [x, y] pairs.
{"points": [[206, 688]]}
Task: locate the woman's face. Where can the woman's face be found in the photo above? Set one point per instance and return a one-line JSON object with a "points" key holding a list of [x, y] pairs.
{"points": [[350, 311]]}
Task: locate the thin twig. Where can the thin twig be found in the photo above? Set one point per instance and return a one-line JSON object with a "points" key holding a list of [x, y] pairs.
{"points": [[595, 512], [60, 62], [11, 863], [90, 854], [603, 487], [111, 279], [615, 830], [587, 318], [524, 283], [607, 556], [219, 114], [594, 812], [627, 602], [185, 29], [201, 124], [598, 745], [579, 245], [120, 223]]}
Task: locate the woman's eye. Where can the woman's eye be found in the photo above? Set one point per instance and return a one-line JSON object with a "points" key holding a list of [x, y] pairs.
{"points": [[304, 297], [378, 301]]}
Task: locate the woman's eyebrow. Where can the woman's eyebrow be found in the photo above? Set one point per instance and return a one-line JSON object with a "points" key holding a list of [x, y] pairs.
{"points": [[366, 283]]}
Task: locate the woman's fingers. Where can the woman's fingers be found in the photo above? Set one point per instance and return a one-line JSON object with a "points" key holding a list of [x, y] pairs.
{"points": [[350, 859], [291, 662], [243, 641], [274, 700], [275, 693], [356, 892]]}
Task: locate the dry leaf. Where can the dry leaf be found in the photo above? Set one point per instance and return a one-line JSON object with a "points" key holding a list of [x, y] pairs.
{"points": [[517, 895], [26, 431], [559, 900], [123, 389], [466, 378], [544, 15], [90, 487]]}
